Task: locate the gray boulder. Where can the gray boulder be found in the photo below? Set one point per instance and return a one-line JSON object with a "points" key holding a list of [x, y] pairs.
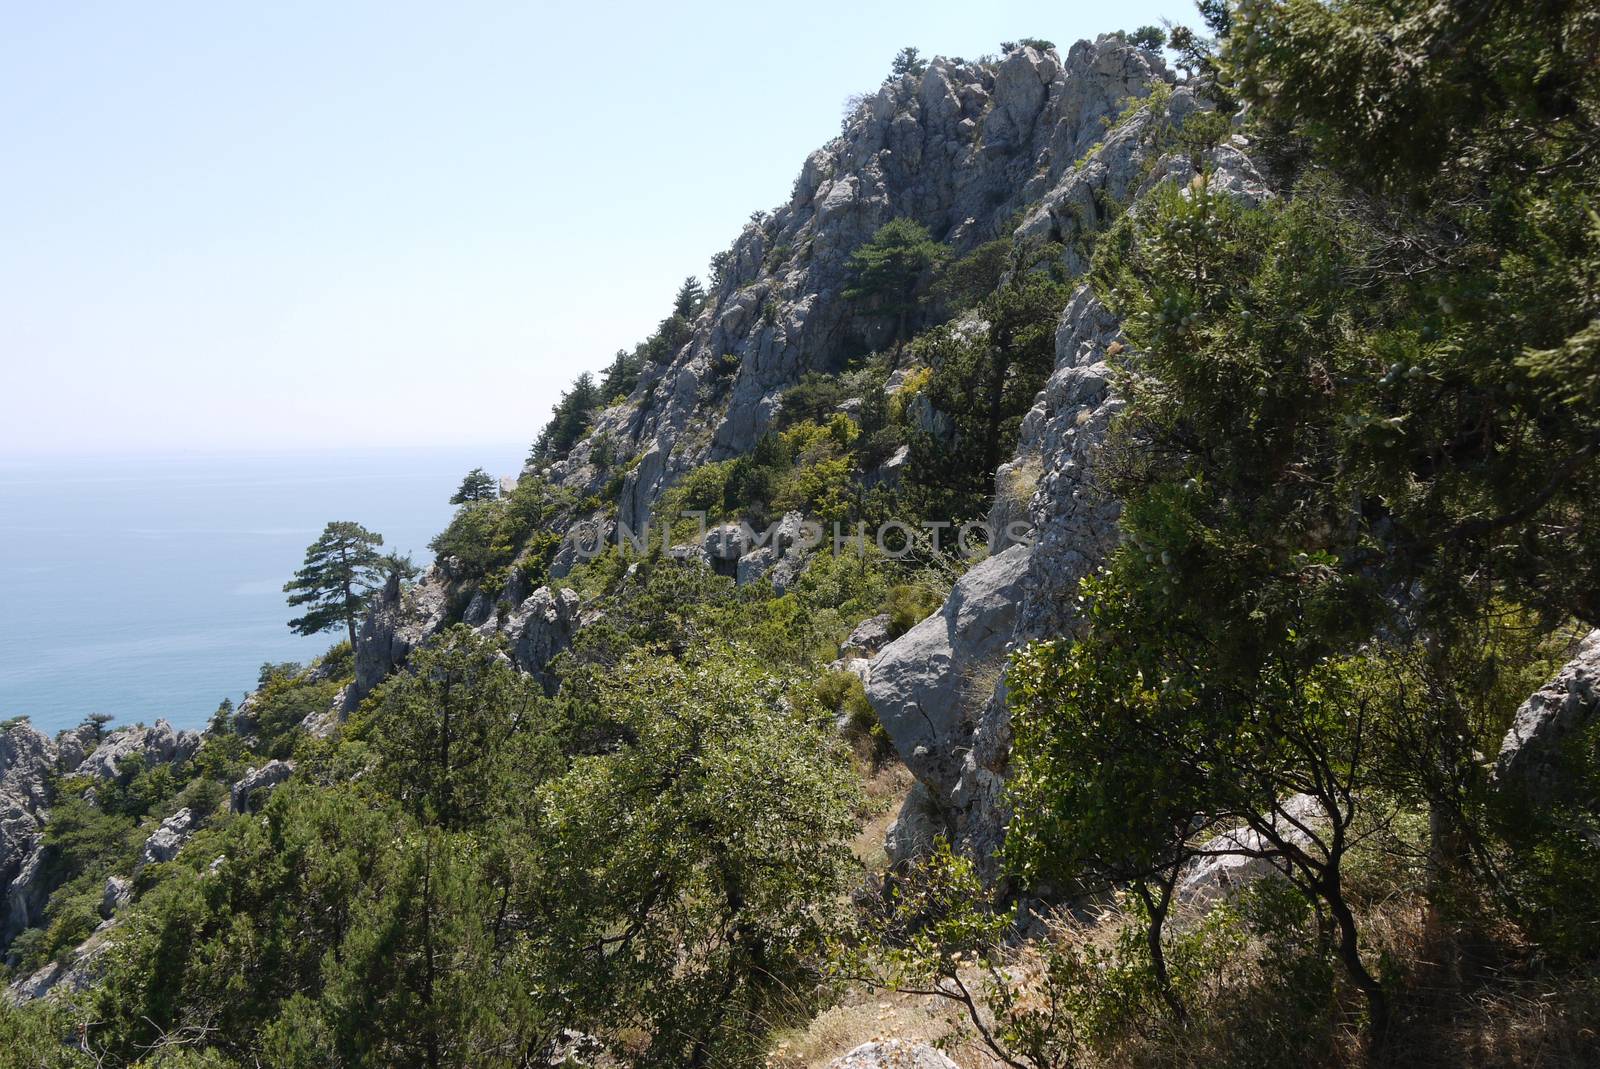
{"points": [[257, 782], [117, 893], [541, 627], [1238, 858], [869, 636], [893, 1054], [165, 842], [1529, 760], [926, 683]]}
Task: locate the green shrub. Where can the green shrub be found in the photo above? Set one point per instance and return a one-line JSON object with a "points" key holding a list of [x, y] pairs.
{"points": [[908, 605]]}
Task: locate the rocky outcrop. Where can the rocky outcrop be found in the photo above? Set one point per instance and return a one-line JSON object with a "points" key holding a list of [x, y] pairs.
{"points": [[783, 556], [400, 619], [541, 627], [926, 684], [893, 1054], [1050, 490], [73, 975], [1050, 506], [1529, 763], [117, 893], [27, 759], [165, 842], [253, 786], [28, 892], [959, 149], [157, 744]]}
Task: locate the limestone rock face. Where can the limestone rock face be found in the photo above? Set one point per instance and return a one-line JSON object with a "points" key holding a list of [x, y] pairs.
{"points": [[157, 744], [894, 1054], [959, 149], [1529, 754], [541, 627], [400, 619], [76, 974], [165, 842], [926, 684], [253, 785], [28, 893], [1049, 503], [118, 892], [919, 822], [27, 759], [1229, 866]]}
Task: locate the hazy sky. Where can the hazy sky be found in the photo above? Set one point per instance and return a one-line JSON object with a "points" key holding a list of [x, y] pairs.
{"points": [[278, 225]]}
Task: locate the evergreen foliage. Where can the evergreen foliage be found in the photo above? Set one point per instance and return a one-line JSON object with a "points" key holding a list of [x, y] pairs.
{"points": [[888, 269], [478, 485], [341, 569]]}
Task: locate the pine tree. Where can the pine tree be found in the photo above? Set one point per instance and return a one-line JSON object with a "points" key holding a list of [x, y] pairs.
{"points": [[569, 419], [621, 375], [888, 268], [691, 297], [341, 568], [907, 61], [478, 485]]}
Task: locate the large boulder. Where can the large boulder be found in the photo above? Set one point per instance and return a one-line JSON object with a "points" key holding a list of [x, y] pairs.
{"points": [[1237, 858], [926, 684], [1530, 754], [157, 744], [893, 1054], [165, 842], [247, 791], [541, 627]]}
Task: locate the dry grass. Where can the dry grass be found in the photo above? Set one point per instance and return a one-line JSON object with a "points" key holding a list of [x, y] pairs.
{"points": [[883, 792], [1493, 1005], [1021, 479], [864, 1016], [1484, 999]]}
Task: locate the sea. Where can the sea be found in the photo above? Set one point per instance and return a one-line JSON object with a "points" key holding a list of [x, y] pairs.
{"points": [[152, 587]]}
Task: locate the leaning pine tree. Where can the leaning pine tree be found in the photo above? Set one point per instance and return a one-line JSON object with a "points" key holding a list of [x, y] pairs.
{"points": [[341, 568]]}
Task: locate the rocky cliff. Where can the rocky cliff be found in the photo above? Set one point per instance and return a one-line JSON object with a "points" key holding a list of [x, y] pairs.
{"points": [[1040, 147], [962, 149]]}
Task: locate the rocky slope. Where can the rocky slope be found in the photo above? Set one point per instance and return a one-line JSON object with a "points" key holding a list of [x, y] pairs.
{"points": [[962, 150], [1038, 146]]}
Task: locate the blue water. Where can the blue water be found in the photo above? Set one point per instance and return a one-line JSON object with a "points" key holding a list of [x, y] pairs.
{"points": [[149, 588]]}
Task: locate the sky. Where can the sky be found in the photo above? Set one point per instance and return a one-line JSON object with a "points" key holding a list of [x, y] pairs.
{"points": [[369, 223]]}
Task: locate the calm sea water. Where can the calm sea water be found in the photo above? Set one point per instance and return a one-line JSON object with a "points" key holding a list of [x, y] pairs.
{"points": [[149, 588]]}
